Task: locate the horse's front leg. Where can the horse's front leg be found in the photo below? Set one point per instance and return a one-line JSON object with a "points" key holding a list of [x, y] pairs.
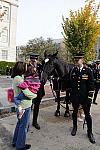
{"points": [[57, 112], [67, 114]]}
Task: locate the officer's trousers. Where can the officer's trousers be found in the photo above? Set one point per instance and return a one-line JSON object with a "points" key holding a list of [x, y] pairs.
{"points": [[97, 87], [86, 108]]}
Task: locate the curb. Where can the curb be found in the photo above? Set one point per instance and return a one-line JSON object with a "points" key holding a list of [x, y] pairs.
{"points": [[12, 108], [7, 109]]}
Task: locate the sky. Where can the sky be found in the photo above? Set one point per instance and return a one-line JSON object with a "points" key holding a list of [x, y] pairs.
{"points": [[38, 18]]}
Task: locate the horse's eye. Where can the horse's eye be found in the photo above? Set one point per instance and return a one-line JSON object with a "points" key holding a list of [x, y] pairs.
{"points": [[46, 60]]}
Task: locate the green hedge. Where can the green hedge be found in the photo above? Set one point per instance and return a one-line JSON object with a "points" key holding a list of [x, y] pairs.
{"points": [[3, 66]]}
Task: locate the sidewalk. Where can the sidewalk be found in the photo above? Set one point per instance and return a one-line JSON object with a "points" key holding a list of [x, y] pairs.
{"points": [[6, 83], [55, 131]]}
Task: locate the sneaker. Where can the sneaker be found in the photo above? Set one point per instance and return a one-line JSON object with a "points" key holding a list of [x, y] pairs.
{"points": [[80, 119], [27, 146], [13, 145]]}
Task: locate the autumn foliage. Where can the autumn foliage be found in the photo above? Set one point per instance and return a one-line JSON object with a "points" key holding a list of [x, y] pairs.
{"points": [[81, 30]]}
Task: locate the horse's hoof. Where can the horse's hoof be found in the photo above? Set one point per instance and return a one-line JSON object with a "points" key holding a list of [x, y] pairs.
{"points": [[57, 113], [67, 114]]}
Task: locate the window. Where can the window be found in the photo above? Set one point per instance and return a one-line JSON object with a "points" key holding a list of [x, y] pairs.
{"points": [[4, 54], [6, 13], [4, 35]]}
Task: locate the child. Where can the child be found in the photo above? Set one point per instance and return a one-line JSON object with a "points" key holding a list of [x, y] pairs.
{"points": [[31, 82]]}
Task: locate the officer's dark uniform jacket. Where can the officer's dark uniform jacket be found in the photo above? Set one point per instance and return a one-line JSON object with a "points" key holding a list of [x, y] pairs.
{"points": [[41, 91], [82, 84], [96, 73], [38, 68]]}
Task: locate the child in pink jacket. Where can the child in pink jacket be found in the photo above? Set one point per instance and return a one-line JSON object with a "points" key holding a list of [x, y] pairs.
{"points": [[31, 82]]}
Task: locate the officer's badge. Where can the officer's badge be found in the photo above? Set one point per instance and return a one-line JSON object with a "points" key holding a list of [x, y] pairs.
{"points": [[85, 77]]}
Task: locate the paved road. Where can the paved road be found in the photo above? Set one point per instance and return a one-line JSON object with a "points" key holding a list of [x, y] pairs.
{"points": [[54, 133], [6, 82]]}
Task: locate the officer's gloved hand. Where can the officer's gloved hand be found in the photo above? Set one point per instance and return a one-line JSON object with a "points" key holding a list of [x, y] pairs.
{"points": [[90, 96]]}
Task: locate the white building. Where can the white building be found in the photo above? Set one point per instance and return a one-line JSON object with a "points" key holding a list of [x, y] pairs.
{"points": [[8, 30]]}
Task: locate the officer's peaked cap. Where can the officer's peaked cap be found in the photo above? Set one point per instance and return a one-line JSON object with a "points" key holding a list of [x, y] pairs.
{"points": [[97, 62], [79, 55], [34, 55]]}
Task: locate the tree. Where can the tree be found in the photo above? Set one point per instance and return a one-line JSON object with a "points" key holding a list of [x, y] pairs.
{"points": [[81, 30], [39, 45]]}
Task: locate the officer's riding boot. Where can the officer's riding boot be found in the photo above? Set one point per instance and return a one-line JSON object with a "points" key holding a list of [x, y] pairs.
{"points": [[35, 115], [74, 130], [91, 137], [89, 131]]}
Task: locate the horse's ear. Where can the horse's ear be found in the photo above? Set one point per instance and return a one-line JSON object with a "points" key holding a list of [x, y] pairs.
{"points": [[55, 54]]}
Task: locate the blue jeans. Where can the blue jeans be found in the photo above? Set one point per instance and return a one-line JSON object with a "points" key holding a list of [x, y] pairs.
{"points": [[20, 132], [19, 98]]}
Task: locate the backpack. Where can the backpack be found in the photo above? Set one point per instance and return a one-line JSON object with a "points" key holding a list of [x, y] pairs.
{"points": [[10, 95]]}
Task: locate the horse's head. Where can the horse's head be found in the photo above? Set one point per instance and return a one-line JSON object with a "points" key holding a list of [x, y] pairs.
{"points": [[49, 66], [52, 66]]}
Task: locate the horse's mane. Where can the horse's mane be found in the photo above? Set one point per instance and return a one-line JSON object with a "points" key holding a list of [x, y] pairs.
{"points": [[55, 67]]}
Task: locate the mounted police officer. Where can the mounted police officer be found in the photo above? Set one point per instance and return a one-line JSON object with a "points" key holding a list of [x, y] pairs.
{"points": [[96, 72], [38, 67], [82, 88]]}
